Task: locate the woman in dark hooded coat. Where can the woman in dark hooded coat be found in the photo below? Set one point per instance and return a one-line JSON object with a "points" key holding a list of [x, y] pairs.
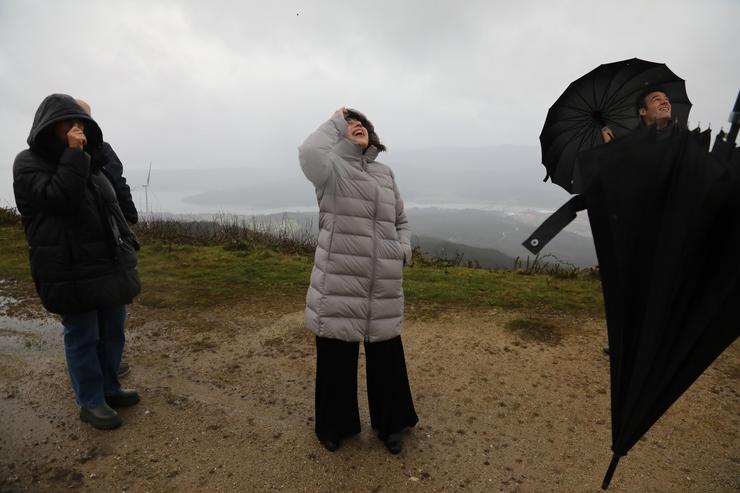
{"points": [[82, 252]]}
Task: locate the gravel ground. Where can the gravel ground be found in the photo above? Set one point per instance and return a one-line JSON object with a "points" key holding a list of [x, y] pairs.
{"points": [[227, 405]]}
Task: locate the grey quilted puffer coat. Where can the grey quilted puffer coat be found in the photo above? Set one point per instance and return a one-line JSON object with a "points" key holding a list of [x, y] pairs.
{"points": [[356, 290]]}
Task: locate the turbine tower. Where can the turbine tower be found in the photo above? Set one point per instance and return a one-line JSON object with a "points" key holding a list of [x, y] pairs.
{"points": [[146, 188]]}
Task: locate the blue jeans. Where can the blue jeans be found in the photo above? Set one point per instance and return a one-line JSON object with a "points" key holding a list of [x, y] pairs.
{"points": [[93, 345]]}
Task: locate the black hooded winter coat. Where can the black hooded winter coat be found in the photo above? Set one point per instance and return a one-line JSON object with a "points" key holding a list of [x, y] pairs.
{"points": [[81, 249]]}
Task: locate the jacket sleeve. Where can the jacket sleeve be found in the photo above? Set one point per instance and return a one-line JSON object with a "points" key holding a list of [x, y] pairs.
{"points": [[314, 153], [113, 168], [402, 225], [55, 192]]}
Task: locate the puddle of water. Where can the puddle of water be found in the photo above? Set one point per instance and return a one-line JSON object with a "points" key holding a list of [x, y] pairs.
{"points": [[24, 334]]}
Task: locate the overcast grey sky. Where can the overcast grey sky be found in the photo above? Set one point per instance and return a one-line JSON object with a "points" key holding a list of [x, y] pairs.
{"points": [[240, 84]]}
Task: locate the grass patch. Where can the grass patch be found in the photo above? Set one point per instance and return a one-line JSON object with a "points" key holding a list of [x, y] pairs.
{"points": [[14, 253], [176, 275], [435, 288], [531, 329], [189, 275]]}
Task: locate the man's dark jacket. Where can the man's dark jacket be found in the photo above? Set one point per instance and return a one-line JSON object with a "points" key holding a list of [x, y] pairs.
{"points": [[81, 249], [108, 161]]}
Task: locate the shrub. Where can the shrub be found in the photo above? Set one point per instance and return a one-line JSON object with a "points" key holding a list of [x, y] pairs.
{"points": [[234, 232], [9, 216]]}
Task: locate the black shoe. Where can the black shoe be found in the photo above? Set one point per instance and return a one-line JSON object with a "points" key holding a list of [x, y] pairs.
{"points": [[123, 369], [394, 442], [605, 349], [330, 445], [101, 417], [123, 398]]}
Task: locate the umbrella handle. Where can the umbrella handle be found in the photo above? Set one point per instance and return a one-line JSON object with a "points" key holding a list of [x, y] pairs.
{"points": [[610, 471]]}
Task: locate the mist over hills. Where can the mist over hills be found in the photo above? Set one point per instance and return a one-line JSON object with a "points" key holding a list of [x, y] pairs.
{"points": [[498, 176], [488, 198]]}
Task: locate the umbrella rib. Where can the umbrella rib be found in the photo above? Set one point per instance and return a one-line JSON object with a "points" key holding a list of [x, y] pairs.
{"points": [[606, 95], [585, 101], [584, 134], [617, 124], [575, 108], [629, 80]]}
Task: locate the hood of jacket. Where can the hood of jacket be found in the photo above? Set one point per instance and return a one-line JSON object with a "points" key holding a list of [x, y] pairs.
{"points": [[53, 109]]}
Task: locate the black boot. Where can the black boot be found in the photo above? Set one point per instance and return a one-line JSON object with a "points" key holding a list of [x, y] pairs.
{"points": [[123, 398], [394, 442], [101, 417], [330, 445]]}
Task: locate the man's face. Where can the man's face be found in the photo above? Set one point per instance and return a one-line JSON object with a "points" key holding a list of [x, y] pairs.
{"points": [[63, 127], [356, 133], [657, 108]]}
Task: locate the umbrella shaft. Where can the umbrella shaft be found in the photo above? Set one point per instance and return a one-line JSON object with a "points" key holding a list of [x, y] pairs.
{"points": [[610, 471], [732, 134]]}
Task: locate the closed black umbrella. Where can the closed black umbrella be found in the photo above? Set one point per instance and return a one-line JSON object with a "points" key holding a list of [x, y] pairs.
{"points": [[724, 144], [665, 217], [606, 96]]}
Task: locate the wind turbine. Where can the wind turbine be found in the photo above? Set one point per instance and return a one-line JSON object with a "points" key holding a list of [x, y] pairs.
{"points": [[146, 188]]}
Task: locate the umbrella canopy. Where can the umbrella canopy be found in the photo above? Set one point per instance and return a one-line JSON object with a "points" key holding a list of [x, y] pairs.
{"points": [[665, 217], [606, 96]]}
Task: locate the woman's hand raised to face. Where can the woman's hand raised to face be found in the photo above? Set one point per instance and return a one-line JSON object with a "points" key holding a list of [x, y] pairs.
{"points": [[340, 112], [76, 137]]}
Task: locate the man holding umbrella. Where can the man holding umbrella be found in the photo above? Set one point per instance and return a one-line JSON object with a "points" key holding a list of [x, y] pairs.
{"points": [[653, 107], [665, 215]]}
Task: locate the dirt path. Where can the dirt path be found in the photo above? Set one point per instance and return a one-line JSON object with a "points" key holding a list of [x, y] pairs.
{"points": [[228, 404]]}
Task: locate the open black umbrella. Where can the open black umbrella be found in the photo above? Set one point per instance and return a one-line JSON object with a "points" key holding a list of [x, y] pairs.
{"points": [[606, 96]]}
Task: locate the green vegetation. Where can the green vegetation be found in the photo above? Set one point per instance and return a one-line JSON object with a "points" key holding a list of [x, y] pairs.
{"points": [[180, 275], [502, 288], [14, 252], [9, 216], [204, 275]]}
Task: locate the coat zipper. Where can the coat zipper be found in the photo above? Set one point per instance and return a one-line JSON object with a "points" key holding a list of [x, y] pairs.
{"points": [[373, 259]]}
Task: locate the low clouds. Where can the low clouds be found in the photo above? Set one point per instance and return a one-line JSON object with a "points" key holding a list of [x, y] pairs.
{"points": [[235, 84]]}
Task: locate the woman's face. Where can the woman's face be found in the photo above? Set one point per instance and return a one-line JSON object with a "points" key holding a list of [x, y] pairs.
{"points": [[63, 127], [356, 133]]}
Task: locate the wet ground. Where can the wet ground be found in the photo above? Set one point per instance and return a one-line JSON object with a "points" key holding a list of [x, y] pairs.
{"points": [[507, 402]]}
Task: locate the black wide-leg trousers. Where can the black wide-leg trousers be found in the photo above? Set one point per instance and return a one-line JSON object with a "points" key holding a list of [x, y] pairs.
{"points": [[388, 390]]}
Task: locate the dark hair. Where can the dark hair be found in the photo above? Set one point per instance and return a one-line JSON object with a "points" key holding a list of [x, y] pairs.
{"points": [[373, 139], [640, 101]]}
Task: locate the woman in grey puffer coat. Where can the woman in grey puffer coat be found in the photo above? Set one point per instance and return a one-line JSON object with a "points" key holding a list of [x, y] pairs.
{"points": [[356, 291]]}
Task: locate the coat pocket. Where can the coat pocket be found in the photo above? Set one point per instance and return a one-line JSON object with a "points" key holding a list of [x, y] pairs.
{"points": [[331, 242], [407, 254]]}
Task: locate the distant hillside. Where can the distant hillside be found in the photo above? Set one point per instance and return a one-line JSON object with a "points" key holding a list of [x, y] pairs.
{"points": [[500, 231], [486, 231], [485, 257]]}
